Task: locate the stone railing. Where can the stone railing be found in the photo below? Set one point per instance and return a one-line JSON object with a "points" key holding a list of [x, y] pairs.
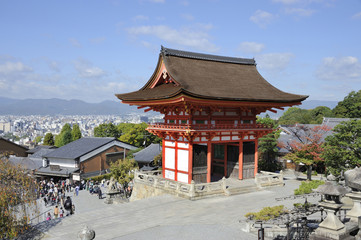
{"points": [[266, 179], [191, 191]]}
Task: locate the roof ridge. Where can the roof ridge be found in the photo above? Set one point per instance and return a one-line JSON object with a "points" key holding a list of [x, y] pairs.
{"points": [[202, 56]]}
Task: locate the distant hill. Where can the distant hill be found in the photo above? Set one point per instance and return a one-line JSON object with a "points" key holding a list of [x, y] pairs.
{"points": [[57, 106], [307, 104]]}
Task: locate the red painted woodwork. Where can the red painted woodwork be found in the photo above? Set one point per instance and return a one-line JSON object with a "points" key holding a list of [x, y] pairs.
{"points": [[240, 160], [209, 161], [256, 157]]}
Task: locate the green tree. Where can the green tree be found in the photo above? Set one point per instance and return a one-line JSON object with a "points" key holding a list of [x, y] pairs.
{"points": [[49, 139], [295, 115], [122, 170], [75, 132], [64, 137], [317, 114], [350, 107], [107, 130], [136, 134], [267, 147], [343, 148], [17, 198], [38, 139]]}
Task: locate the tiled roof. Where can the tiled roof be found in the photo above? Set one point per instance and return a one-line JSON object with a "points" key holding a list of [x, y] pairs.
{"points": [[207, 76], [39, 147], [147, 154], [201, 56], [81, 147]]}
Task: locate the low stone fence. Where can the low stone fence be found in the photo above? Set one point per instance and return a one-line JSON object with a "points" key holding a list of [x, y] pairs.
{"points": [[267, 179], [151, 183]]}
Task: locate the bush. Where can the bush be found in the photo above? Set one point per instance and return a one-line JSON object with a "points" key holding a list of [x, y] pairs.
{"points": [[269, 166], [306, 187], [267, 213], [100, 177]]}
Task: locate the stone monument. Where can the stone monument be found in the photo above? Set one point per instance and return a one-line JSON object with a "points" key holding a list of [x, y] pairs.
{"points": [[111, 191]]}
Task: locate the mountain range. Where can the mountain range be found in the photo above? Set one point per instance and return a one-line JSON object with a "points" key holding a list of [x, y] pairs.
{"points": [[55, 106]]}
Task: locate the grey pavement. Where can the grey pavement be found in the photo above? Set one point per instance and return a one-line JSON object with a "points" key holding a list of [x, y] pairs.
{"points": [[169, 217]]}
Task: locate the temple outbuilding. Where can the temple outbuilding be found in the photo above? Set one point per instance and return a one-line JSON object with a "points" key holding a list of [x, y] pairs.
{"points": [[210, 104]]}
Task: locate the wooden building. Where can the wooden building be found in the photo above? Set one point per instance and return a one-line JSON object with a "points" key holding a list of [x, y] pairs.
{"points": [[7, 146], [210, 104]]}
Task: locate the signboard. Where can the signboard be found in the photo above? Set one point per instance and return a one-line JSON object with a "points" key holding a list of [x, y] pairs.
{"points": [[76, 177]]}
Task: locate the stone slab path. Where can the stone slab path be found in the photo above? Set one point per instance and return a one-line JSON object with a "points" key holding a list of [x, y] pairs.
{"points": [[169, 217]]}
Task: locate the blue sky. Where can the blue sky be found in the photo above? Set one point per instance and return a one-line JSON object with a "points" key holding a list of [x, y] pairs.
{"points": [[90, 50]]}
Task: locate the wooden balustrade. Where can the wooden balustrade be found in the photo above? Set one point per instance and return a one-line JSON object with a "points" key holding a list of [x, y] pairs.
{"points": [[185, 127]]}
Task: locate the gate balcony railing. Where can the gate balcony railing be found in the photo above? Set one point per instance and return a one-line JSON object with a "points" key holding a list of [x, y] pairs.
{"points": [[186, 127]]}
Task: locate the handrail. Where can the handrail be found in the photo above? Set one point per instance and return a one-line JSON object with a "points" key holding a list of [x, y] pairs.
{"points": [[190, 127]]}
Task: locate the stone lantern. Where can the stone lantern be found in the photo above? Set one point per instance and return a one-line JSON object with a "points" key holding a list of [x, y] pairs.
{"points": [[353, 180], [331, 227]]}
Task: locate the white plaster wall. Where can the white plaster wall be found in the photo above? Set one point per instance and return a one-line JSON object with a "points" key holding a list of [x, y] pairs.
{"points": [[215, 139], [169, 158], [169, 143], [196, 139], [62, 162], [183, 145], [182, 160], [231, 114], [169, 174], [226, 138], [235, 138], [181, 177]]}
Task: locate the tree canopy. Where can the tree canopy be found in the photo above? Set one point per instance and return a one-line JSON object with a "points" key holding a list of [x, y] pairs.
{"points": [[294, 115], [18, 192], [350, 107], [136, 134], [65, 136], [49, 139], [75, 132], [107, 130], [308, 147], [343, 148], [122, 170]]}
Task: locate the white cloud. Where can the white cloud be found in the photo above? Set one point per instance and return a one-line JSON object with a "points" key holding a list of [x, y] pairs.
{"points": [[140, 18], [299, 11], [74, 42], [340, 69], [86, 70], [274, 61], [357, 16], [53, 65], [262, 18], [251, 47], [197, 37], [13, 68], [188, 17]]}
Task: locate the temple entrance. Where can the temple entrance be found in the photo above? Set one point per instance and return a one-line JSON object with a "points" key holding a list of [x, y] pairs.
{"points": [[232, 161], [199, 173], [248, 159]]}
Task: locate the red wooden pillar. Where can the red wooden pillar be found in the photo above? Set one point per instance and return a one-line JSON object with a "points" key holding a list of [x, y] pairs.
{"points": [[176, 161], [255, 157], [225, 159], [163, 158], [209, 161], [190, 163], [240, 160]]}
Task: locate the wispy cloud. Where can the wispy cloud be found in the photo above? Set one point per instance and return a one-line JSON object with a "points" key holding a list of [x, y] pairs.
{"points": [[196, 37], [14, 68], [299, 11], [262, 18], [74, 42], [139, 18], [357, 16], [251, 47], [86, 69], [274, 61], [187, 17], [340, 69]]}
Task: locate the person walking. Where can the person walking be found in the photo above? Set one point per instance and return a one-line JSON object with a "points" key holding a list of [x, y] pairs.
{"points": [[67, 205], [77, 190], [61, 212], [100, 195], [56, 211], [48, 218]]}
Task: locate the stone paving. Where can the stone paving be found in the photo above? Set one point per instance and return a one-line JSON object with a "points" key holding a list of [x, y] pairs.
{"points": [[168, 217]]}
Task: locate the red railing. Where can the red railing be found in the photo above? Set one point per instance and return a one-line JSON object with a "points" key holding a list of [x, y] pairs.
{"points": [[206, 126]]}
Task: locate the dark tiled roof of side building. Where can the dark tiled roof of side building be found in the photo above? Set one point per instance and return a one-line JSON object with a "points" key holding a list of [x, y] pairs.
{"points": [[82, 146], [147, 154]]}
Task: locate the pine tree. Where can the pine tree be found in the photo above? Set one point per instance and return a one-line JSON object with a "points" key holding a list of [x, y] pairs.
{"points": [[49, 139], [76, 133]]}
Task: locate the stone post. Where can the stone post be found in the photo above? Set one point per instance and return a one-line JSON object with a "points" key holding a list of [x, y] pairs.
{"points": [[192, 190], [86, 233], [224, 187], [355, 212]]}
